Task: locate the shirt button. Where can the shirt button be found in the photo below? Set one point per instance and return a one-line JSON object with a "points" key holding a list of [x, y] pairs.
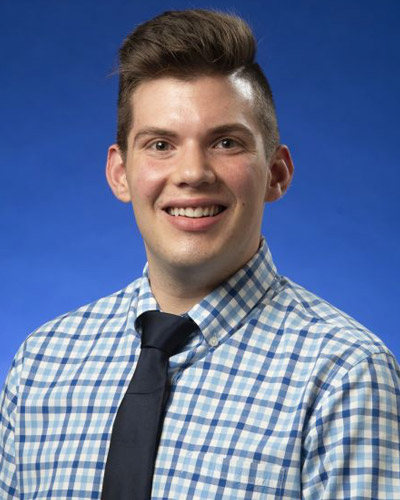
{"points": [[213, 341]]}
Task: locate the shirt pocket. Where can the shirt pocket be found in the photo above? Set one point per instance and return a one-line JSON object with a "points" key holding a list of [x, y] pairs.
{"points": [[213, 476]]}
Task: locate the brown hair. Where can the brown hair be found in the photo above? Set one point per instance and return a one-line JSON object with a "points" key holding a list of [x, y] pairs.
{"points": [[187, 44]]}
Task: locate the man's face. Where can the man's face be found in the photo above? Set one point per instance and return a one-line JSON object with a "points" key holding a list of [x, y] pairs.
{"points": [[197, 175]]}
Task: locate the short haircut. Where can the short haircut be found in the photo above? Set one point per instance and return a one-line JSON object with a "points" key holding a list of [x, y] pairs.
{"points": [[187, 44]]}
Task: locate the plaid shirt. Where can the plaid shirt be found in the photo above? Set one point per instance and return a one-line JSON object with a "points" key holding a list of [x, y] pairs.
{"points": [[278, 395]]}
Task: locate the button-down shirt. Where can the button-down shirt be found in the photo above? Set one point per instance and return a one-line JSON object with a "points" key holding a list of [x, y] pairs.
{"points": [[277, 395]]}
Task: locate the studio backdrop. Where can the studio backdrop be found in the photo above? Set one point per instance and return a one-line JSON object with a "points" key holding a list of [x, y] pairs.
{"points": [[65, 241]]}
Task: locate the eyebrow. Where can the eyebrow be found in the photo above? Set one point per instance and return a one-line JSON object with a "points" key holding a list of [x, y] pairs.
{"points": [[228, 128], [153, 131]]}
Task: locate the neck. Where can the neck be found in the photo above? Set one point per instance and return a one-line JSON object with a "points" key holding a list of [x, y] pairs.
{"points": [[178, 289], [177, 296]]}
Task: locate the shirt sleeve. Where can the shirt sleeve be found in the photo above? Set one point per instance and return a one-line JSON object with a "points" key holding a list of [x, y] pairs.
{"points": [[352, 449], [8, 404]]}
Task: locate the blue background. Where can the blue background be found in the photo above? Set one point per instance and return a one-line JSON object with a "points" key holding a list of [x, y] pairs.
{"points": [[65, 241]]}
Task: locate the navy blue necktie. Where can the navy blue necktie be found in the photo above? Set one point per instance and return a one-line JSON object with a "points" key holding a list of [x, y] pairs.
{"points": [[138, 424]]}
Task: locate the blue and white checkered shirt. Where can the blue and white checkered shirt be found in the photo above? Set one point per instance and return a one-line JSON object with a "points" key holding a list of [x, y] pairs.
{"points": [[278, 395]]}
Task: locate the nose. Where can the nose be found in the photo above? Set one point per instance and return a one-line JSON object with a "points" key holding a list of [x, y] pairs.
{"points": [[193, 168]]}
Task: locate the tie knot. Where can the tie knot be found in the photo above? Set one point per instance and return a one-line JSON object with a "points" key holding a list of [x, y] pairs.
{"points": [[165, 331]]}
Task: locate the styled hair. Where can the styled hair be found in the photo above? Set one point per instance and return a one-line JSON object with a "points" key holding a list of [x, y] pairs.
{"points": [[187, 44]]}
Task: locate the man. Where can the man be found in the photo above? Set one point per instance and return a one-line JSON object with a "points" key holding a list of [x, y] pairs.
{"points": [[275, 394]]}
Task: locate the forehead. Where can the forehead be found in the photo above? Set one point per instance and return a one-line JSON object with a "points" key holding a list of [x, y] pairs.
{"points": [[204, 99]]}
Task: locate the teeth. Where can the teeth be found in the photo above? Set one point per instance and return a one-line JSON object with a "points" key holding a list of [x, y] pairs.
{"points": [[195, 212], [198, 212]]}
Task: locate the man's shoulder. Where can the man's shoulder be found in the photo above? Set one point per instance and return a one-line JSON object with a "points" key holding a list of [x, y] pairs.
{"points": [[87, 320], [321, 330], [71, 337]]}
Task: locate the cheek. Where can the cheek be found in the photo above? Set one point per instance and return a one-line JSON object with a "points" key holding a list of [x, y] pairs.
{"points": [[146, 180], [247, 182]]}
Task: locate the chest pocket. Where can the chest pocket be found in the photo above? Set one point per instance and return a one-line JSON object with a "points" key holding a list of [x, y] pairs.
{"points": [[213, 476]]}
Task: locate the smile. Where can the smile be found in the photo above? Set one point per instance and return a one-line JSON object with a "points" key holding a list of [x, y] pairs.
{"points": [[195, 212]]}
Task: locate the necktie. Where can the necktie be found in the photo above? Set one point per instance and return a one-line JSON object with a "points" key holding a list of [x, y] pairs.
{"points": [[137, 427]]}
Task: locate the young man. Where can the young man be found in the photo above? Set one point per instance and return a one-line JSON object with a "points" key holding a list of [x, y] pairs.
{"points": [[275, 394]]}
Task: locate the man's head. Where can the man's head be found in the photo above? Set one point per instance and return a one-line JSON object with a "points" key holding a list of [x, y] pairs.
{"points": [[198, 152], [188, 44]]}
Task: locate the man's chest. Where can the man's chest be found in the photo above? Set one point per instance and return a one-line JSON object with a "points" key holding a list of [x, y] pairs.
{"points": [[232, 430]]}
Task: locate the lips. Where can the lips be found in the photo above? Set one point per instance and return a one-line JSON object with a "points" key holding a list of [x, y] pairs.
{"points": [[196, 212]]}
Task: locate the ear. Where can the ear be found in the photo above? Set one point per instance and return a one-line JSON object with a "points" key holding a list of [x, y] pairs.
{"points": [[116, 174], [281, 172]]}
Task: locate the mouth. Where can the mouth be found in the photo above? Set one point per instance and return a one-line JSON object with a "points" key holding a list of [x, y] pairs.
{"points": [[195, 212]]}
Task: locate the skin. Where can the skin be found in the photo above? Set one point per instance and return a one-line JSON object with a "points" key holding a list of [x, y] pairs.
{"points": [[193, 144]]}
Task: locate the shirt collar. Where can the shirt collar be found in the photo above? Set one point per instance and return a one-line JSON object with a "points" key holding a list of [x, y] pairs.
{"points": [[221, 311], [146, 300], [226, 307]]}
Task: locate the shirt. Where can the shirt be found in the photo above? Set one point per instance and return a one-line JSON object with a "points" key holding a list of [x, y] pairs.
{"points": [[277, 395]]}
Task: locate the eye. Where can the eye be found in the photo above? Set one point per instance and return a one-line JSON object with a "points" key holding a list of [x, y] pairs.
{"points": [[227, 143], [160, 146]]}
